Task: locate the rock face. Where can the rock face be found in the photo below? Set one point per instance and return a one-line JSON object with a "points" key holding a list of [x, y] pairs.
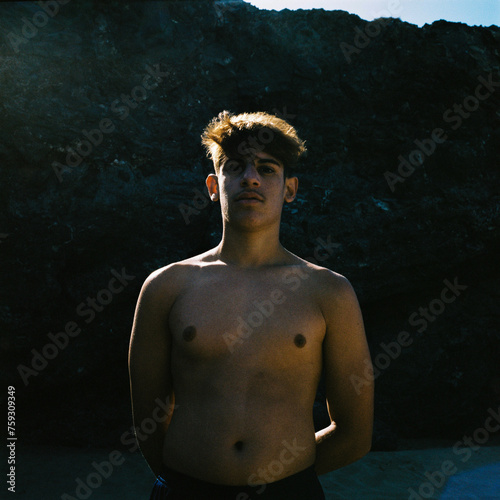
{"points": [[102, 177]]}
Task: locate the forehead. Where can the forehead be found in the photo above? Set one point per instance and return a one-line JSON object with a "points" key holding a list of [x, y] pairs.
{"points": [[257, 157], [260, 155]]}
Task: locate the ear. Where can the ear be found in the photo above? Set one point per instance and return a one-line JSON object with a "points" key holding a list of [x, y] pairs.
{"points": [[213, 187], [291, 187]]}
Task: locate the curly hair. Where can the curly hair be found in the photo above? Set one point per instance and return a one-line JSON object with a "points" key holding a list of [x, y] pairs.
{"points": [[235, 136]]}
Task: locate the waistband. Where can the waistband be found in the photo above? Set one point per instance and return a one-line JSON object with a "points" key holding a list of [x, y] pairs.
{"points": [[301, 485]]}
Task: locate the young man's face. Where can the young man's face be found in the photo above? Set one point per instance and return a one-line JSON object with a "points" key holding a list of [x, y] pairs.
{"points": [[252, 190]]}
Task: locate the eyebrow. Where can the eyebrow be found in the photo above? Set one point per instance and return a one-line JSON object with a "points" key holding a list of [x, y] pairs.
{"points": [[260, 161], [268, 160]]}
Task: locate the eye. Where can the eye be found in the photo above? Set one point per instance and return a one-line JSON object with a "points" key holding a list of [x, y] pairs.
{"points": [[232, 165], [267, 170]]}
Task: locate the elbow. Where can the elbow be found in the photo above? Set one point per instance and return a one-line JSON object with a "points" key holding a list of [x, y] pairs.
{"points": [[360, 447], [364, 440], [364, 450], [357, 453], [363, 447]]}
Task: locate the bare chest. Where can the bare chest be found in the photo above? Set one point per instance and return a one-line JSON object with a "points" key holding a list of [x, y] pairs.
{"points": [[258, 319]]}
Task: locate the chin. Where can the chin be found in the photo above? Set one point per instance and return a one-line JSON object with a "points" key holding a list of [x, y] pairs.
{"points": [[248, 221]]}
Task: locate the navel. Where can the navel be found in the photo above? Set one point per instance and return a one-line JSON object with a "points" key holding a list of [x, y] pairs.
{"points": [[238, 445], [299, 340], [189, 333]]}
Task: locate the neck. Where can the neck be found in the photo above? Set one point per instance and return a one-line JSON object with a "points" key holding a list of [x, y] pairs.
{"points": [[251, 249]]}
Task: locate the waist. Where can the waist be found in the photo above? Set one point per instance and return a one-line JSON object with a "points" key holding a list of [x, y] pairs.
{"points": [[235, 458], [300, 485]]}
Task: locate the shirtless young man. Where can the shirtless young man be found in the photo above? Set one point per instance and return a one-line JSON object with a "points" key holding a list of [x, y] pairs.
{"points": [[235, 339]]}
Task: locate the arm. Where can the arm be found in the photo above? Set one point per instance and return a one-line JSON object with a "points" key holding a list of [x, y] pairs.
{"points": [[149, 369], [346, 361]]}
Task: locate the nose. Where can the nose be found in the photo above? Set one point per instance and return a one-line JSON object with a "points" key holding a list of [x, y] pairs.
{"points": [[250, 175]]}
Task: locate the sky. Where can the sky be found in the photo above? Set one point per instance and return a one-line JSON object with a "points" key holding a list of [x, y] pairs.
{"points": [[419, 12]]}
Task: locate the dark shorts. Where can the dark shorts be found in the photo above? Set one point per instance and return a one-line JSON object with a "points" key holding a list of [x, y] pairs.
{"points": [[172, 485]]}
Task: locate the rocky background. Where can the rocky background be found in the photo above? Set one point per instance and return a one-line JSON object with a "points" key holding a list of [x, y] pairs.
{"points": [[102, 174]]}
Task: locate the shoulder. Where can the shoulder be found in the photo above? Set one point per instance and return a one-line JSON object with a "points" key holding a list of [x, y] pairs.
{"points": [[332, 283], [329, 288], [339, 305], [172, 278], [324, 280], [333, 290]]}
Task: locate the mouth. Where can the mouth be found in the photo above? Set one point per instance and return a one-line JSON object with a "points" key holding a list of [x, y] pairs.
{"points": [[249, 197]]}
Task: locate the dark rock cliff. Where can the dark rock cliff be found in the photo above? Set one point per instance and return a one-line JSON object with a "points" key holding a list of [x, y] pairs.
{"points": [[102, 173]]}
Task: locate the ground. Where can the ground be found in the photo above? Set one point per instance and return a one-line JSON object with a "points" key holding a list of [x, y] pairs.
{"points": [[52, 473]]}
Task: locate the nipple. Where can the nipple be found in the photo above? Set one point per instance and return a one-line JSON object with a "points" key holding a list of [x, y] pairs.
{"points": [[299, 340]]}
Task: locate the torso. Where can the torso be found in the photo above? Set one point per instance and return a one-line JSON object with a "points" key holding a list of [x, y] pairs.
{"points": [[245, 362]]}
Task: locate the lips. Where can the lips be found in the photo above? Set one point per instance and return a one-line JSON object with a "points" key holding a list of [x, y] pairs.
{"points": [[249, 195]]}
